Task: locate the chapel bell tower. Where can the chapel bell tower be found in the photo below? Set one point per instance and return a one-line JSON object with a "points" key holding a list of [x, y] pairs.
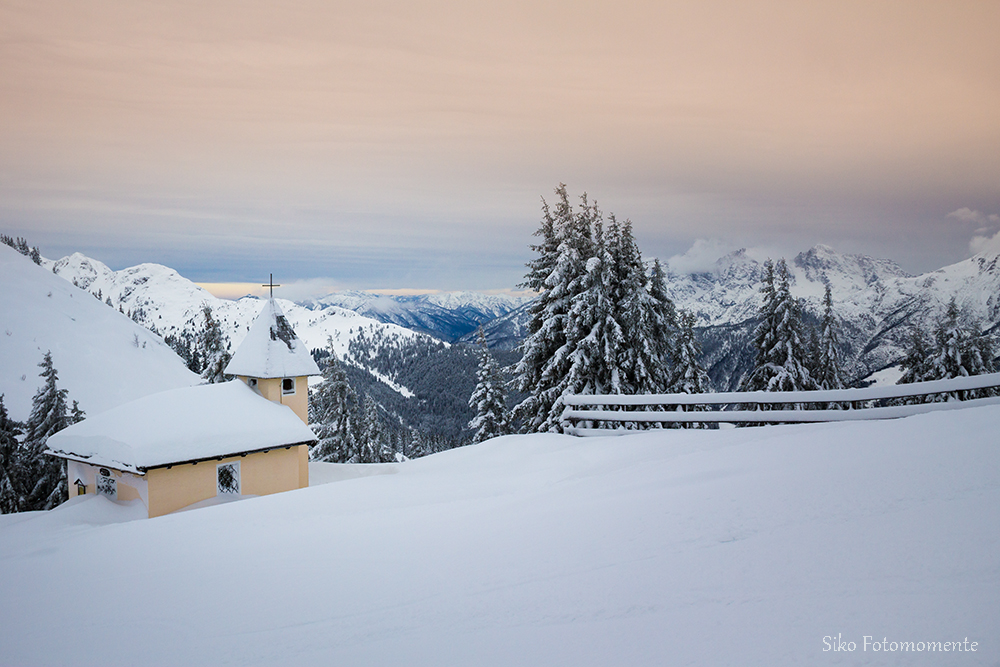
{"points": [[274, 362]]}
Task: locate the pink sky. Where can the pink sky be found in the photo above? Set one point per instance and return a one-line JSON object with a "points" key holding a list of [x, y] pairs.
{"points": [[406, 144]]}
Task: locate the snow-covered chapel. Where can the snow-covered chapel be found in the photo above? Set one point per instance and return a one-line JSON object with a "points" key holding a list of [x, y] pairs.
{"points": [[215, 441]]}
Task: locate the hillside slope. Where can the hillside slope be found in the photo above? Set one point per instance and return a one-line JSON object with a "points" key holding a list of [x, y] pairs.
{"points": [[103, 358], [734, 547]]}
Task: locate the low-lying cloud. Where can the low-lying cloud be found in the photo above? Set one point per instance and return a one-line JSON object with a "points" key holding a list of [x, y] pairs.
{"points": [[986, 238]]}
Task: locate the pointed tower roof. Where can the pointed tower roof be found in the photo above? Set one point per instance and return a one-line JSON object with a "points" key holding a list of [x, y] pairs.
{"points": [[271, 349]]}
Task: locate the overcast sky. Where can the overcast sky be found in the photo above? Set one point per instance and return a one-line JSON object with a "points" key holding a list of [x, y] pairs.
{"points": [[407, 144]]}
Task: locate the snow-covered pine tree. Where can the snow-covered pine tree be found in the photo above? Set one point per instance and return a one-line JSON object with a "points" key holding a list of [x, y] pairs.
{"points": [[10, 499], [76, 413], [212, 345], [826, 367], [387, 450], [595, 339], [959, 351], [370, 434], [488, 398], [781, 352], [916, 364], [688, 375], [21, 245], [557, 274], [42, 478], [757, 378], [644, 313], [417, 446], [332, 409], [659, 329]]}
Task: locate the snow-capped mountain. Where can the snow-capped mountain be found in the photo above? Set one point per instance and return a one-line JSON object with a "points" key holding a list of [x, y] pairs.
{"points": [[445, 315], [161, 299], [876, 301], [505, 332], [730, 292], [102, 357]]}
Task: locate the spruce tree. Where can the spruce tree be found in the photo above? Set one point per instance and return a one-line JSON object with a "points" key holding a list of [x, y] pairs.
{"points": [[332, 406], [688, 375], [76, 414], [659, 329], [10, 499], [558, 274], [42, 477], [212, 345], [782, 358], [417, 446], [916, 364], [645, 313], [826, 368], [595, 336], [600, 323], [960, 350], [371, 434], [387, 449], [488, 399]]}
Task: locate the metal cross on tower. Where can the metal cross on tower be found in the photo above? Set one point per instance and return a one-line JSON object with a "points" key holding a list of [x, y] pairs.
{"points": [[270, 284]]}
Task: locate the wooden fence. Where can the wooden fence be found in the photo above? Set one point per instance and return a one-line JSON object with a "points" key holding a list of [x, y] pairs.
{"points": [[582, 411]]}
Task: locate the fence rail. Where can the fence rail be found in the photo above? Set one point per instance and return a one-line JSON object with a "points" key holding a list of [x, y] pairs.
{"points": [[672, 406]]}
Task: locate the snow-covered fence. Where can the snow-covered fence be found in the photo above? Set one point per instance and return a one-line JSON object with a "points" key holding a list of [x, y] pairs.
{"points": [[681, 408]]}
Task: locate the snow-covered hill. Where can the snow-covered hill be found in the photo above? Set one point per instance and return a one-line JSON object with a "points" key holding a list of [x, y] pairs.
{"points": [[103, 358], [754, 547], [446, 315]]}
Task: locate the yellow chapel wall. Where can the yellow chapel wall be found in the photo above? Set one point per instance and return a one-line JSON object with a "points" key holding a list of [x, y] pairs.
{"points": [[303, 466], [261, 473], [270, 388]]}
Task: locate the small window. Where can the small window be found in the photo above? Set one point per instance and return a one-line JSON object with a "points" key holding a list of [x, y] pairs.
{"points": [[253, 383], [288, 386], [107, 486], [228, 478]]}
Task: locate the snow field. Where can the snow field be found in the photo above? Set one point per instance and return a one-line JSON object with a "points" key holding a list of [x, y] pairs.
{"points": [[733, 547]]}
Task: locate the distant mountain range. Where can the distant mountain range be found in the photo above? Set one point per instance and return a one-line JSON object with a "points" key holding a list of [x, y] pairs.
{"points": [[159, 298], [875, 300], [446, 315]]}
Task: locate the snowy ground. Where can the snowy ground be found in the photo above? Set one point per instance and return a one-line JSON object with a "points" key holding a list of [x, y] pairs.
{"points": [[734, 547]]}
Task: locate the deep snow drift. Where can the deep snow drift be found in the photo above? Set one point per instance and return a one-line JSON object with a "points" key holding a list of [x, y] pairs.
{"points": [[733, 547]]}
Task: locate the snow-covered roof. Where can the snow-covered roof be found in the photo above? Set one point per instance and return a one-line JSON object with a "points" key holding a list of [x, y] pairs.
{"points": [[186, 424], [271, 349]]}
